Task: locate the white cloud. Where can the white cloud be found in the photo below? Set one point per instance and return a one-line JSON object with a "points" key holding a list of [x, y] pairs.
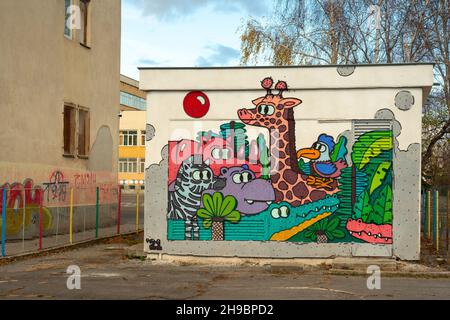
{"points": [[202, 35], [170, 9], [221, 56]]}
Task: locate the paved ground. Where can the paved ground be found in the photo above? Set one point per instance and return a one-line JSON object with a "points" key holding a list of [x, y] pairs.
{"points": [[106, 273]]}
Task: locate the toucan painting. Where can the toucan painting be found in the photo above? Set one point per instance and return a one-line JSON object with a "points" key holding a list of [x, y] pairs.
{"points": [[327, 158]]}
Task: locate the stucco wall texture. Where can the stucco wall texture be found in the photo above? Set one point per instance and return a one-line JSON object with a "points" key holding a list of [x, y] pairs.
{"points": [[285, 162], [40, 71]]}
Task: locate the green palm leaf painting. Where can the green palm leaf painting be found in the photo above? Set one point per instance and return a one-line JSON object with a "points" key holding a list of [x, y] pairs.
{"points": [[216, 210], [325, 230], [370, 145]]}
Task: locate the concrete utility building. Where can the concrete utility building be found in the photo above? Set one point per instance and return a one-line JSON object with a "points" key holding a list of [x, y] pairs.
{"points": [[59, 70], [310, 161], [132, 134]]}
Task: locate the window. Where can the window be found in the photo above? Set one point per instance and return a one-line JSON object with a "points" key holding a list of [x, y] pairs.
{"points": [[76, 130], [142, 137], [67, 31], [85, 26], [122, 165], [130, 100], [128, 165], [142, 165], [83, 132], [128, 138], [132, 165], [69, 129]]}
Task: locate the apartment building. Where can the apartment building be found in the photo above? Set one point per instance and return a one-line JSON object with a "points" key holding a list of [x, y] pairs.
{"points": [[59, 76], [132, 135]]}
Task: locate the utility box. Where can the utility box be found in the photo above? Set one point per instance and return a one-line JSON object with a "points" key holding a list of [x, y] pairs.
{"points": [[284, 162]]}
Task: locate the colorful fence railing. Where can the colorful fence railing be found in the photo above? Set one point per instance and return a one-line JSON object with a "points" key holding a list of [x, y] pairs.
{"points": [[435, 218], [30, 223]]}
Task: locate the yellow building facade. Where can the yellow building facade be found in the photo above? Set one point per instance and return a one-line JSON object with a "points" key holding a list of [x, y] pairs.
{"points": [[131, 165]]}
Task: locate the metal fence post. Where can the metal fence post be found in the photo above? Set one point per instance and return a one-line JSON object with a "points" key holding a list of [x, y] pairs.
{"points": [[40, 219], [422, 212], [3, 221], [57, 225], [71, 217], [119, 204], [429, 215], [23, 220], [436, 194], [96, 212], [448, 214], [137, 210]]}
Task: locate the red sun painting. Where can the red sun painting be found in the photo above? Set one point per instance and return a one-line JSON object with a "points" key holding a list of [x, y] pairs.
{"points": [[196, 104]]}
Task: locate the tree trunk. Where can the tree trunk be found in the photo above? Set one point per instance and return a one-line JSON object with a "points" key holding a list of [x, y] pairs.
{"points": [[217, 230], [377, 31], [321, 237], [333, 37]]}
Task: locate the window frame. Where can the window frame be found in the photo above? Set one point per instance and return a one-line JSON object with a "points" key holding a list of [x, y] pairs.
{"points": [[133, 164], [142, 136], [132, 101], [127, 136], [73, 129], [123, 165], [84, 38], [70, 35], [130, 165], [74, 138], [87, 131]]}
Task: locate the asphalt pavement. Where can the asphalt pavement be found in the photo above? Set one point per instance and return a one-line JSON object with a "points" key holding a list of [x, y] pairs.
{"points": [[107, 273]]}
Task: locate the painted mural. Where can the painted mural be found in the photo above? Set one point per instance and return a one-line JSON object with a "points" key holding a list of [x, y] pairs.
{"points": [[226, 184]]}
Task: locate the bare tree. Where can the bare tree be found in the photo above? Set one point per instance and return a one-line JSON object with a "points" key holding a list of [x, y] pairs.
{"points": [[362, 31], [310, 33], [435, 33]]}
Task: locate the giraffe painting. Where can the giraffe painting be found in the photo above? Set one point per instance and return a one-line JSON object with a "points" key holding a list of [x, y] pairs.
{"points": [[276, 113]]}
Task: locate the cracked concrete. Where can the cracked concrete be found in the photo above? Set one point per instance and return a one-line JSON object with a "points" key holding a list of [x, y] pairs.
{"points": [[107, 273]]}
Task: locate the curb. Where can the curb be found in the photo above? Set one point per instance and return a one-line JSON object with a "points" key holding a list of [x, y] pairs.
{"points": [[390, 268], [64, 248], [274, 263], [136, 251]]}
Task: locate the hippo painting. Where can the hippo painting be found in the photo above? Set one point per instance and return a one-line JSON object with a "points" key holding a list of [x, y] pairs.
{"points": [[253, 195]]}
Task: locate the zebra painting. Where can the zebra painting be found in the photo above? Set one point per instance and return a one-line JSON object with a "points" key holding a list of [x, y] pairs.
{"points": [[194, 176]]}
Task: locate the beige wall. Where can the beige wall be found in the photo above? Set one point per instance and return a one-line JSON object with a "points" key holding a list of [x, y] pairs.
{"points": [[40, 69], [132, 120]]}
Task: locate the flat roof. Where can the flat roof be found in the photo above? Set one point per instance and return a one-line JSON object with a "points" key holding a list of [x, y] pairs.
{"points": [[304, 77], [291, 66], [130, 81]]}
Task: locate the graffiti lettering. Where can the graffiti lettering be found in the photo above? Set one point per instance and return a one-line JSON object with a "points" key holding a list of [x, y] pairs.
{"points": [[154, 244], [56, 188], [85, 179], [20, 196]]}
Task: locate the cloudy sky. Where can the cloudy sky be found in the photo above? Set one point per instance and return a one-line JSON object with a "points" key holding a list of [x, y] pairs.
{"points": [[183, 33]]}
